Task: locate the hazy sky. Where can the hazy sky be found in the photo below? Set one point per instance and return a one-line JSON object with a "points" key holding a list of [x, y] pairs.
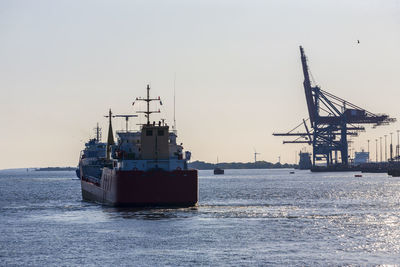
{"points": [[63, 64]]}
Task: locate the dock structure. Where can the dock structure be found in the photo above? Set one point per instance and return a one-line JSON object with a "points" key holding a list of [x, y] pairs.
{"points": [[331, 121]]}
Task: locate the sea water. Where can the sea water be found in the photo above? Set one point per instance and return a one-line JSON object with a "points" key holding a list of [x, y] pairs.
{"points": [[245, 217]]}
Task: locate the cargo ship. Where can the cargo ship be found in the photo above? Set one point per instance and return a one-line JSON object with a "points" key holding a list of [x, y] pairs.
{"points": [[305, 161], [143, 168], [93, 158]]}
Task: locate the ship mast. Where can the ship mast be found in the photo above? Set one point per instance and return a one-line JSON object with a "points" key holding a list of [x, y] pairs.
{"points": [[98, 132], [174, 126], [148, 100], [110, 139]]}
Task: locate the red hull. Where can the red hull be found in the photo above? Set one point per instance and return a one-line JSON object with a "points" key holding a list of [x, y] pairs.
{"points": [[139, 188]]}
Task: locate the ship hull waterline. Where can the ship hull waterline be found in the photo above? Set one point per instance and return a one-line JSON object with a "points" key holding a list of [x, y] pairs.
{"points": [[135, 188]]}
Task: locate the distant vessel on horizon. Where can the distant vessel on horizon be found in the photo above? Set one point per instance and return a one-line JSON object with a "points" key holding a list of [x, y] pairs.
{"points": [[218, 170], [93, 158], [305, 161], [144, 168], [54, 169]]}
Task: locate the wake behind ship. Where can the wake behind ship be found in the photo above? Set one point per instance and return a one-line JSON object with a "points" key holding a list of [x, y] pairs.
{"points": [[144, 168]]}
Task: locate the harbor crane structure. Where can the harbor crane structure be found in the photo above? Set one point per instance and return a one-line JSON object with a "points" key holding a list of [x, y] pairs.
{"points": [[331, 121]]}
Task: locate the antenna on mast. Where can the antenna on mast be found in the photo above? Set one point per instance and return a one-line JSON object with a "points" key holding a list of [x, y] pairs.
{"points": [[174, 126], [98, 132]]}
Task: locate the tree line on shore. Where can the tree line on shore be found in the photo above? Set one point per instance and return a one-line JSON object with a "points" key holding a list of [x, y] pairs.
{"points": [[201, 165]]}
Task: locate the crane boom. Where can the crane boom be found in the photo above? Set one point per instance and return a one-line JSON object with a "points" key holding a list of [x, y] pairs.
{"points": [[307, 87]]}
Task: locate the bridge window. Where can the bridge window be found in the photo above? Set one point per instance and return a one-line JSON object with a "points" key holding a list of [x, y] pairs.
{"points": [[149, 132], [160, 132]]}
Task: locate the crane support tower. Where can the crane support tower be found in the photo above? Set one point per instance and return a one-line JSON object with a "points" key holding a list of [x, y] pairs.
{"points": [[332, 120]]}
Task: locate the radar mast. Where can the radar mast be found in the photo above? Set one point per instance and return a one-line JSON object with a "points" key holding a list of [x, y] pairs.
{"points": [[148, 100]]}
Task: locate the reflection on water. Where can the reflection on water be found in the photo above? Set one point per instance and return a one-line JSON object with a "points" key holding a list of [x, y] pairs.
{"points": [[246, 217], [149, 213]]}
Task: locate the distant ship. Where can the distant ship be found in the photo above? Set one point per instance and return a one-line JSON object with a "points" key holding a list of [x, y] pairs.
{"points": [[218, 170], [93, 158], [144, 168], [394, 170], [305, 161]]}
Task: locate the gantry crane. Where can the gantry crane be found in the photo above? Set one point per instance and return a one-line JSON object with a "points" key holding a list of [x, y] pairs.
{"points": [[332, 120]]}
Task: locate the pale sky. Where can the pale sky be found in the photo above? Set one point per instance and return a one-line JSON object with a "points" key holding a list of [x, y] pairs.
{"points": [[63, 64]]}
